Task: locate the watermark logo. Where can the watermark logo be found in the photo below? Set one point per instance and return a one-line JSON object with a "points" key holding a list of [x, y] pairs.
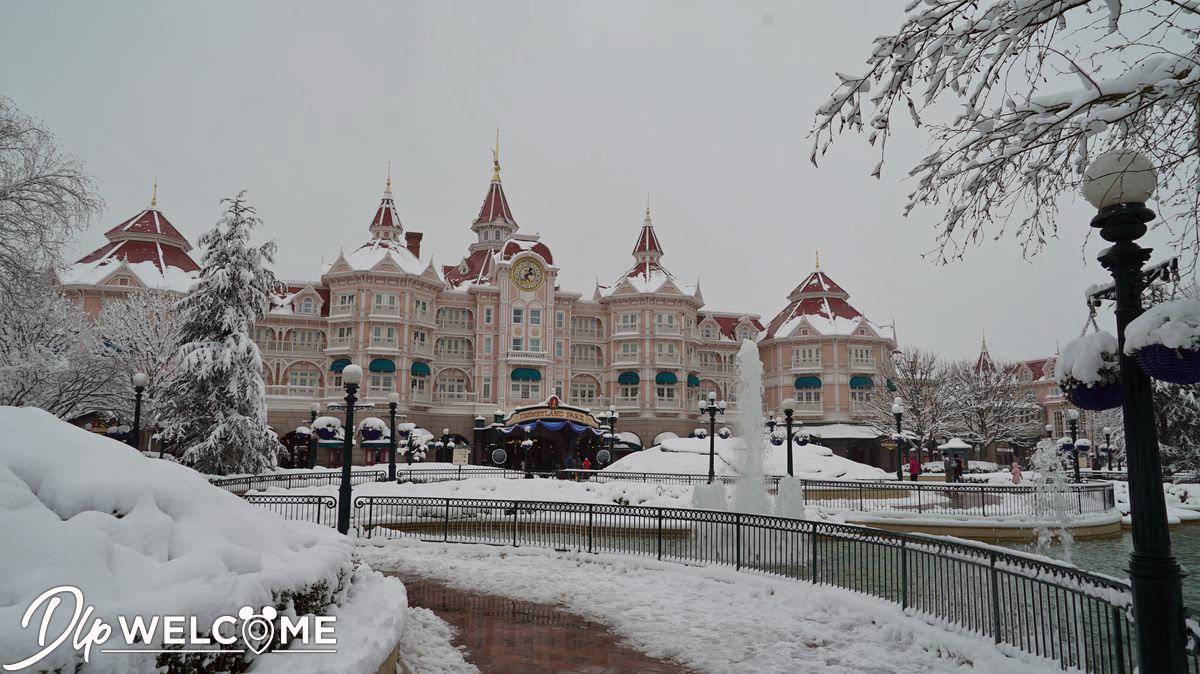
{"points": [[185, 634]]}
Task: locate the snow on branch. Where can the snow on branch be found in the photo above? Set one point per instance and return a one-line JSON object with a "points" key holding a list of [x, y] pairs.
{"points": [[1043, 86]]}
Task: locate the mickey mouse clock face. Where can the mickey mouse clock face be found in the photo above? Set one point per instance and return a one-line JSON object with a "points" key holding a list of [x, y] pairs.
{"points": [[528, 274]]}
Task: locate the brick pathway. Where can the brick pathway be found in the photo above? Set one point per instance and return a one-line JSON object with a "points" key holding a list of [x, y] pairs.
{"points": [[505, 635]]}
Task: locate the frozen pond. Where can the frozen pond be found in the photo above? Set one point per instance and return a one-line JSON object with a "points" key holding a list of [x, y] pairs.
{"points": [[1110, 556]]}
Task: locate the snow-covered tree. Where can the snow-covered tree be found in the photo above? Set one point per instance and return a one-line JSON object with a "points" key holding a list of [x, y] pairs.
{"points": [[991, 405], [142, 333], [922, 381], [216, 411], [50, 356], [44, 197], [1041, 87]]}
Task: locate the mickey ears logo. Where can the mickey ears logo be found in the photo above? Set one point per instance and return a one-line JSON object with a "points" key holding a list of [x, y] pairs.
{"points": [[258, 630]]}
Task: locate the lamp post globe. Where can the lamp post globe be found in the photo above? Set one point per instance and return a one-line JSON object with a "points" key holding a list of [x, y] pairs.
{"points": [[712, 407], [1118, 184], [351, 377]]}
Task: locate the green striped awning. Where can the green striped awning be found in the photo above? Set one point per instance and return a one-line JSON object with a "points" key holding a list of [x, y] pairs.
{"points": [[693, 380], [382, 365], [526, 374], [420, 369], [859, 381], [808, 381], [628, 378], [339, 364], [666, 378]]}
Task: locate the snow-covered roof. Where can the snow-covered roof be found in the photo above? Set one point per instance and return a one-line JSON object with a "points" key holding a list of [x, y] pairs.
{"points": [[146, 247], [843, 432], [822, 305], [379, 253]]}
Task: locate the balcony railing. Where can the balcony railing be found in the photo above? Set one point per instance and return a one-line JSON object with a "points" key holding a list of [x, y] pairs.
{"points": [[667, 359], [420, 396], [666, 329], [285, 346], [385, 310], [383, 343], [627, 402], [422, 316], [805, 364], [341, 342], [341, 310], [293, 391], [587, 362], [457, 396], [586, 334], [467, 326], [422, 349], [454, 355]]}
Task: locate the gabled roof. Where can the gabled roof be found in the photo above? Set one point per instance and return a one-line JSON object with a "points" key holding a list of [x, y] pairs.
{"points": [[380, 251], [727, 325], [822, 304], [283, 302], [474, 269]]}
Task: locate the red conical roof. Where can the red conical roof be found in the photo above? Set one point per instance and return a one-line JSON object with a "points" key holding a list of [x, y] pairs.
{"points": [[149, 221], [495, 206]]}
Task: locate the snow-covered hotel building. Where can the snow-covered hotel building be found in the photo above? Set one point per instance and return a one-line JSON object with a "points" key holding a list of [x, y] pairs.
{"points": [[495, 331]]}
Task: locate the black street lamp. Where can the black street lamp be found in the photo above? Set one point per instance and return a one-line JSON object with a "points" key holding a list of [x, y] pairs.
{"points": [[712, 407], [1118, 183], [312, 436], [898, 412], [613, 415], [139, 386], [351, 376], [393, 400], [1073, 421], [789, 407], [1107, 447], [771, 423], [526, 444]]}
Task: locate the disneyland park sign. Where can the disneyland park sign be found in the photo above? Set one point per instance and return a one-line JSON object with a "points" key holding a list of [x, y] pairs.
{"points": [[553, 410]]}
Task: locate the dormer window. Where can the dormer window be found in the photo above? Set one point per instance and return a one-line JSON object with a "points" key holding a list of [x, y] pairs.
{"points": [[308, 306]]}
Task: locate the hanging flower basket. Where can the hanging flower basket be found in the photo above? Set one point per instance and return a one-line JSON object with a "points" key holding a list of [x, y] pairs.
{"points": [[1178, 366], [327, 428], [371, 434], [1104, 396], [1166, 341], [1088, 370]]}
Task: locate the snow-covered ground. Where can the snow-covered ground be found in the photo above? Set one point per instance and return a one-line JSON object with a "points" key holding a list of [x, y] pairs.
{"points": [[711, 619], [143, 537], [690, 456]]}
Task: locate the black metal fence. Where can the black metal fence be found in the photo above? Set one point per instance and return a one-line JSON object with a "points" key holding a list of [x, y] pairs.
{"points": [[306, 508], [1078, 619], [241, 485], [959, 499]]}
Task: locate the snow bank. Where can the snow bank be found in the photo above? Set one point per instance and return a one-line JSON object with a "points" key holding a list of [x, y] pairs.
{"points": [[142, 537], [690, 456], [1089, 360], [1174, 324]]}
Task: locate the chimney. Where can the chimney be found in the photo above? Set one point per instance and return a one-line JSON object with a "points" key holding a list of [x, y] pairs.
{"points": [[413, 241]]}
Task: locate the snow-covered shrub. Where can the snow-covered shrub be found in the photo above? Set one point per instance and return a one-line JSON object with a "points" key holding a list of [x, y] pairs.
{"points": [[142, 537]]}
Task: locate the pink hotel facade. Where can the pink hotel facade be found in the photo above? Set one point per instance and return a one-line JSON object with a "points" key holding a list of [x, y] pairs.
{"points": [[495, 331]]}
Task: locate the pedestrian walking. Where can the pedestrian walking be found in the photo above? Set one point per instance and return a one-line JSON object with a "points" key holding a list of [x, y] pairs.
{"points": [[1016, 473], [958, 469], [914, 468]]}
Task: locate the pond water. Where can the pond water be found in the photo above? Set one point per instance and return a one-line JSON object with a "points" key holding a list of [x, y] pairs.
{"points": [[1110, 555]]}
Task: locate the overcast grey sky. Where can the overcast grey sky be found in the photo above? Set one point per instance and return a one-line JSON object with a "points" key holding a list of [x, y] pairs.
{"points": [[705, 105]]}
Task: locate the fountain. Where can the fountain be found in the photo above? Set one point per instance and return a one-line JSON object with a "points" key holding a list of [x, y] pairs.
{"points": [[750, 492], [1053, 499]]}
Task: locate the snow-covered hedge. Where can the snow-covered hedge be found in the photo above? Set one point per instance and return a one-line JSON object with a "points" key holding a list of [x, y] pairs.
{"points": [[1089, 360], [143, 537], [1174, 324]]}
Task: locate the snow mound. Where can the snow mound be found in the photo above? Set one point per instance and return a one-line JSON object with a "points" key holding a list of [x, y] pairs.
{"points": [[1089, 360], [690, 456], [1174, 324], [143, 537]]}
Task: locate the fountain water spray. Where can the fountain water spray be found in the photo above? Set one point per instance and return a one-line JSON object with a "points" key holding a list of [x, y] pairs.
{"points": [[750, 492], [1053, 499]]}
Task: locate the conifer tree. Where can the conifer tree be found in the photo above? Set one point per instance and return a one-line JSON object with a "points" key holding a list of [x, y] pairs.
{"points": [[216, 411]]}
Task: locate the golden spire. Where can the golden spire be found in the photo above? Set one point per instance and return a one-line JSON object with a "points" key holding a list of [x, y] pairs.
{"points": [[389, 180], [154, 195], [496, 158], [818, 255]]}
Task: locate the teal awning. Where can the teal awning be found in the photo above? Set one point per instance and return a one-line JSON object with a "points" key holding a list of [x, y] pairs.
{"points": [[382, 365], [420, 369], [628, 378], [861, 381], [339, 364], [666, 378], [526, 374], [808, 381], [693, 380], [891, 386]]}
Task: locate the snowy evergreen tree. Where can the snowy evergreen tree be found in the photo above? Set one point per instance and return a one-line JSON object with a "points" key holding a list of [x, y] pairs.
{"points": [[142, 333], [216, 411], [1019, 96]]}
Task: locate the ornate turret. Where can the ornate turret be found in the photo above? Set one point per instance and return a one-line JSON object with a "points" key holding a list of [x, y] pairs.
{"points": [[495, 222], [647, 251], [386, 223]]}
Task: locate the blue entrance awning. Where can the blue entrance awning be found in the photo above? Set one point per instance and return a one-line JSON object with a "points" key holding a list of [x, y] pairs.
{"points": [[808, 381], [693, 380], [339, 364], [666, 378], [628, 378], [859, 381], [382, 365], [526, 374], [420, 369]]}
